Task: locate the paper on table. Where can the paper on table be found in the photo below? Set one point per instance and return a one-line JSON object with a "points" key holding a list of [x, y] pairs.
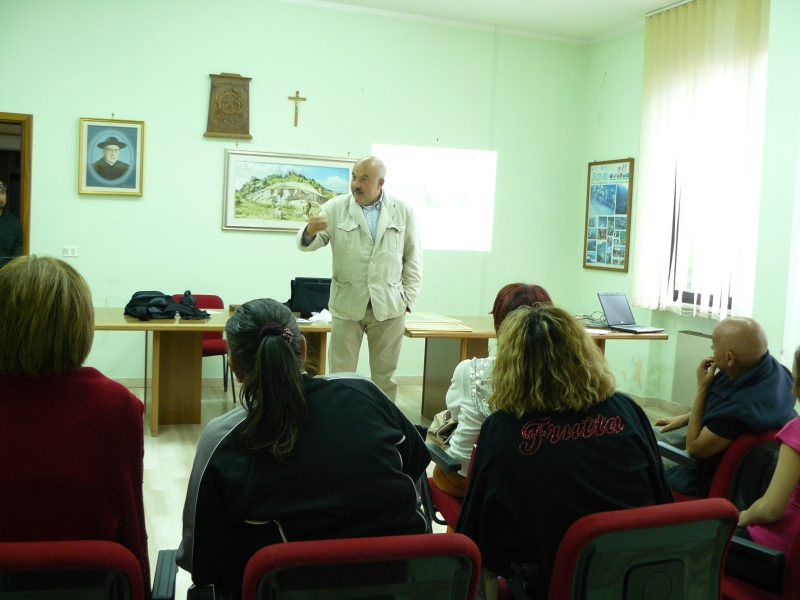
{"points": [[321, 317], [422, 318], [597, 331], [452, 326]]}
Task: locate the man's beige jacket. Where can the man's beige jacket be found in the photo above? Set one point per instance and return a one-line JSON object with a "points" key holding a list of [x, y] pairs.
{"points": [[388, 272]]}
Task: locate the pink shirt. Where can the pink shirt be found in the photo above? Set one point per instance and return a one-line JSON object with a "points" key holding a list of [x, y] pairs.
{"points": [[779, 535]]}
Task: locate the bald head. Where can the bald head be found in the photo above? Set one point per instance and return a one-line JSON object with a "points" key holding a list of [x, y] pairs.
{"points": [[738, 344], [367, 180], [373, 163]]}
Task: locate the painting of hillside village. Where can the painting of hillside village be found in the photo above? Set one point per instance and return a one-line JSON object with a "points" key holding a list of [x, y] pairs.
{"points": [[272, 192], [608, 212]]}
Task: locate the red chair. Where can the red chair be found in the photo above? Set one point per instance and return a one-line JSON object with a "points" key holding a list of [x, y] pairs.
{"points": [[744, 472], [214, 343], [663, 552], [73, 569], [448, 506], [735, 589], [419, 567]]}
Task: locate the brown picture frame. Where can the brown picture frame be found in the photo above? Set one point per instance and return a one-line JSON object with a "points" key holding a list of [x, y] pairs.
{"points": [[609, 199]]}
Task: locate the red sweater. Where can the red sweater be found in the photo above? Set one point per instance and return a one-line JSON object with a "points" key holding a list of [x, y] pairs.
{"points": [[71, 461]]}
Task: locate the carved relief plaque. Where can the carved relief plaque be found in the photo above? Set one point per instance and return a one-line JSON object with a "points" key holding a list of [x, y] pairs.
{"points": [[229, 107]]}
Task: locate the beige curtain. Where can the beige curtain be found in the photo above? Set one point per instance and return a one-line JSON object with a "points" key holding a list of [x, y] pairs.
{"points": [[705, 67]]}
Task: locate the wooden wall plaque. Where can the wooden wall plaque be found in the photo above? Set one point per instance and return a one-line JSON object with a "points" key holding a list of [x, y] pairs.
{"points": [[229, 107]]}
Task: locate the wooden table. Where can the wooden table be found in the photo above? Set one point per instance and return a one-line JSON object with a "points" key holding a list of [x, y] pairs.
{"points": [[178, 352], [177, 359], [444, 349]]}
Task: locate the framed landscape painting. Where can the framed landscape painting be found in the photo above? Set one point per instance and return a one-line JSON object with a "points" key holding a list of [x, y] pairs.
{"points": [[111, 157], [608, 215], [279, 192]]}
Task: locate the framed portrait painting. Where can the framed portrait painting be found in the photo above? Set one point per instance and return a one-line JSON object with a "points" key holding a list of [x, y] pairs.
{"points": [[279, 192], [111, 157], [608, 215]]}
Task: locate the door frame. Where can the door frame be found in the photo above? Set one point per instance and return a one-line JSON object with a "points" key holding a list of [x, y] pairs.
{"points": [[26, 121]]}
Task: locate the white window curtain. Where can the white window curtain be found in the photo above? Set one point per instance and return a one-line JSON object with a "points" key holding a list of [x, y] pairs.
{"points": [[705, 67]]}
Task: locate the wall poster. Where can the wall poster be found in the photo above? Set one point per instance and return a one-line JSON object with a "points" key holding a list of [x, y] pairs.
{"points": [[608, 215]]}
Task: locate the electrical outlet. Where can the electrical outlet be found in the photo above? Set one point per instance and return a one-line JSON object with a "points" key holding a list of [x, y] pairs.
{"points": [[69, 251]]}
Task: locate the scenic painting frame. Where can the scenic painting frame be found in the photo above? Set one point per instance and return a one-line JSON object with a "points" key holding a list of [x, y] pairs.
{"points": [[266, 191], [125, 175], [608, 215]]}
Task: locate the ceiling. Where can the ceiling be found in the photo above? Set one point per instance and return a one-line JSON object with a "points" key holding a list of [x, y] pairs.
{"points": [[577, 20]]}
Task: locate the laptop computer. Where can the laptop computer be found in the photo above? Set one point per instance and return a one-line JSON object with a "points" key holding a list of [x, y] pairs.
{"points": [[619, 316]]}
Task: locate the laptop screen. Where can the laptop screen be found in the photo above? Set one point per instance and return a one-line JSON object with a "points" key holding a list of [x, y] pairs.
{"points": [[616, 308]]}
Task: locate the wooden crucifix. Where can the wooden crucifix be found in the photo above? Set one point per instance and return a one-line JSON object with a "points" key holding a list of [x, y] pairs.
{"points": [[296, 99]]}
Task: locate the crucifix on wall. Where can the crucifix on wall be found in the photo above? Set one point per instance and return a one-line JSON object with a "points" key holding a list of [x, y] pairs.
{"points": [[297, 100]]}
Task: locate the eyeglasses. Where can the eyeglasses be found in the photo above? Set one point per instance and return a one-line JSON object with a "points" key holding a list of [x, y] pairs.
{"points": [[3, 187]]}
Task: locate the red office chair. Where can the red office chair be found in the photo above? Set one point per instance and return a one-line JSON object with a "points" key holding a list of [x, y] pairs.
{"points": [[744, 472], [735, 589], [448, 506], [74, 569], [213, 342], [668, 551], [409, 566]]}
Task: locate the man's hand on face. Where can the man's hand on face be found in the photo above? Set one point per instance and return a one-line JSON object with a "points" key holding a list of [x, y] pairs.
{"points": [[705, 373], [316, 224]]}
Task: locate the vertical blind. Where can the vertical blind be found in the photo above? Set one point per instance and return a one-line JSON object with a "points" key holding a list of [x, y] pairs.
{"points": [[705, 67]]}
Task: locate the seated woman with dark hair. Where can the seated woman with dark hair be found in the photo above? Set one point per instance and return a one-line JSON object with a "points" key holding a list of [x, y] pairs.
{"points": [[71, 440], [560, 444], [472, 381], [302, 458]]}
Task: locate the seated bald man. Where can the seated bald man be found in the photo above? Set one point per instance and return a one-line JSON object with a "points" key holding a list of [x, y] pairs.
{"points": [[741, 388]]}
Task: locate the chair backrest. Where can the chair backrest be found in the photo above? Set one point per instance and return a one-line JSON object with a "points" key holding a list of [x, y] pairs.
{"points": [[666, 552], [746, 468], [87, 570], [206, 301], [419, 567]]}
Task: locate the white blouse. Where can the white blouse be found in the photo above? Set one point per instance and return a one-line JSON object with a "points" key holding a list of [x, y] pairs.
{"points": [[466, 401]]}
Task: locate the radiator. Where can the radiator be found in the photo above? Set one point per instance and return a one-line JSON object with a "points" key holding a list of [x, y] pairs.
{"points": [[691, 347]]}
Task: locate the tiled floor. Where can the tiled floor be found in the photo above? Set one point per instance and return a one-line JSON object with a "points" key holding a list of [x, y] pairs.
{"points": [[168, 462]]}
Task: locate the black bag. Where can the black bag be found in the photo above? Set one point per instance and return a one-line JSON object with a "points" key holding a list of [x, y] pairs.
{"points": [[187, 299], [309, 294], [157, 305]]}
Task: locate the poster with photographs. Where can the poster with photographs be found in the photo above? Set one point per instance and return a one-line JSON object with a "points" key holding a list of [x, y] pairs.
{"points": [[608, 213]]}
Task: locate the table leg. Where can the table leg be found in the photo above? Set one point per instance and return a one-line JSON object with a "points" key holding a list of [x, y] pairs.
{"points": [[317, 349], [154, 405], [178, 355], [442, 355], [601, 343], [474, 348]]}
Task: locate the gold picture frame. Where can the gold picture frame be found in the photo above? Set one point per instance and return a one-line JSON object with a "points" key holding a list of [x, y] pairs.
{"points": [[270, 191], [609, 197], [111, 157]]}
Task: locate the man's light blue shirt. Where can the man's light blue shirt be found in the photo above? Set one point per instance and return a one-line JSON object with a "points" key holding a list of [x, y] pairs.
{"points": [[371, 213]]}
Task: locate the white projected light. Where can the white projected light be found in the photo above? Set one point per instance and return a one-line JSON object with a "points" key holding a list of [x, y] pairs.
{"points": [[451, 191]]}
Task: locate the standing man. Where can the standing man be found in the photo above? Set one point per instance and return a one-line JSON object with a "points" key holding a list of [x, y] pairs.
{"points": [[10, 230], [377, 271], [110, 167]]}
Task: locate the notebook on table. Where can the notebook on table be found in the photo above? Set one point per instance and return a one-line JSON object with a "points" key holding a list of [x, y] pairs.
{"points": [[619, 316]]}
